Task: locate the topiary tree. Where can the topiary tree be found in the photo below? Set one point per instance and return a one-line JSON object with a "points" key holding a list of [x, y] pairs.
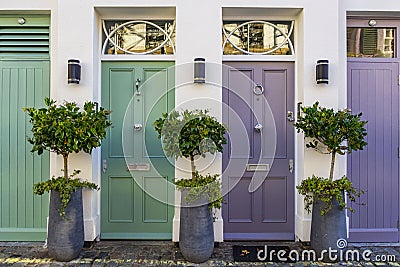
{"points": [[192, 134], [340, 132], [65, 129]]}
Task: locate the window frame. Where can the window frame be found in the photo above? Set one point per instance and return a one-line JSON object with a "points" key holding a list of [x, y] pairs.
{"points": [[381, 23]]}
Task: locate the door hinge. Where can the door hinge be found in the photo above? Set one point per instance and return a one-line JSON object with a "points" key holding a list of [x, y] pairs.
{"points": [[398, 152], [399, 79], [104, 165], [291, 166]]}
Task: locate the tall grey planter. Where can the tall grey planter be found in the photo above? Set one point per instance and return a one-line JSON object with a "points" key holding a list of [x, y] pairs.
{"points": [[196, 234], [65, 236], [328, 231]]}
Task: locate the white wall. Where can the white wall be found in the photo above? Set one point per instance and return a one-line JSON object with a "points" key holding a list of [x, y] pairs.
{"points": [[193, 40], [318, 39], [75, 40]]}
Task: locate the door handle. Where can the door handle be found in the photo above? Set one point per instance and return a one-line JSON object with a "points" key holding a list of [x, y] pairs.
{"points": [[290, 116], [137, 86], [258, 127]]}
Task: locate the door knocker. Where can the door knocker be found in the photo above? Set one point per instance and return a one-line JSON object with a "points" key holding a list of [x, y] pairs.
{"points": [[258, 89]]}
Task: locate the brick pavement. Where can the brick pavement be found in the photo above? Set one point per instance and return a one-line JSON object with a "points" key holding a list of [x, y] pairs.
{"points": [[166, 253]]}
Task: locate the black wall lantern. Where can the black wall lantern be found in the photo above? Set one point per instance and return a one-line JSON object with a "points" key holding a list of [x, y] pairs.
{"points": [[74, 71], [322, 71], [199, 73]]}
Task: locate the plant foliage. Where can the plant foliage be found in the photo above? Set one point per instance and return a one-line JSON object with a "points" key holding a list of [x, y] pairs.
{"points": [[325, 190], [201, 185], [332, 128], [64, 129], [64, 187], [340, 132], [189, 134]]}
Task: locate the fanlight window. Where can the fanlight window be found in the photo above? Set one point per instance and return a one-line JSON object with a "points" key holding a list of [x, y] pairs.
{"points": [[258, 37], [138, 37]]}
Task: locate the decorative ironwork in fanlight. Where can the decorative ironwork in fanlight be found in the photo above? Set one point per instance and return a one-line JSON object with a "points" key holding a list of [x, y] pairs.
{"points": [[258, 37], [138, 37]]}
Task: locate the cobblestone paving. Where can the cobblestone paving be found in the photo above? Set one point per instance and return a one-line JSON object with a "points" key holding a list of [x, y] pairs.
{"points": [[166, 253]]}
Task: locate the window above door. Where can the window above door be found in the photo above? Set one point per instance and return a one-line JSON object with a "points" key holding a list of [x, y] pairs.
{"points": [[371, 42], [138, 37], [258, 37]]}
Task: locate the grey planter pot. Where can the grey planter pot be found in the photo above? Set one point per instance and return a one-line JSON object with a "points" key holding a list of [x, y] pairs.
{"points": [[196, 235], [327, 230], [65, 236]]}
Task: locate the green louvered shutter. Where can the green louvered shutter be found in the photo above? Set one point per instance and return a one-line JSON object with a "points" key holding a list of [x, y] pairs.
{"points": [[28, 40], [24, 82], [370, 38]]}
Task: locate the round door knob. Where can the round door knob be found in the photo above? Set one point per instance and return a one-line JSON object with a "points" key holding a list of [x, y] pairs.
{"points": [[258, 127]]}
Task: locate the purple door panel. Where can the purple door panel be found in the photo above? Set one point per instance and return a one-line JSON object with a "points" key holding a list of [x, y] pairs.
{"points": [[256, 173], [373, 89]]}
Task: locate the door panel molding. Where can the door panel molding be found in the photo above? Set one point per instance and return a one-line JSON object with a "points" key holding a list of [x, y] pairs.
{"points": [[263, 216], [140, 205]]}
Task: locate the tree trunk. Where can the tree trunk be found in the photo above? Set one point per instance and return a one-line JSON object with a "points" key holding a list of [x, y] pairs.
{"points": [[65, 167], [332, 165], [192, 165]]}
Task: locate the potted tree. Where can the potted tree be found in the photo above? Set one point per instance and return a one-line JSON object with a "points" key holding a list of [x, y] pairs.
{"points": [[65, 129], [333, 132], [193, 134]]}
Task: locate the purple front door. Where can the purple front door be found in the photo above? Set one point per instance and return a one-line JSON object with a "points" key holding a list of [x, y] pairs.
{"points": [[373, 89], [258, 159]]}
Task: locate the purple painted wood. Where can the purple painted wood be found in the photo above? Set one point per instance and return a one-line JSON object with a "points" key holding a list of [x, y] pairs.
{"points": [[373, 89], [267, 212]]}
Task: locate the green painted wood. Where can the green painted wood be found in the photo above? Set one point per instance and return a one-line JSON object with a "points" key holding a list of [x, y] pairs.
{"points": [[31, 20], [134, 204], [16, 30], [27, 43], [27, 40], [22, 50], [26, 36], [22, 215]]}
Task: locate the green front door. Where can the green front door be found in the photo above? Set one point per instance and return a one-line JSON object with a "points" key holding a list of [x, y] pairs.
{"points": [[136, 193], [22, 214]]}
